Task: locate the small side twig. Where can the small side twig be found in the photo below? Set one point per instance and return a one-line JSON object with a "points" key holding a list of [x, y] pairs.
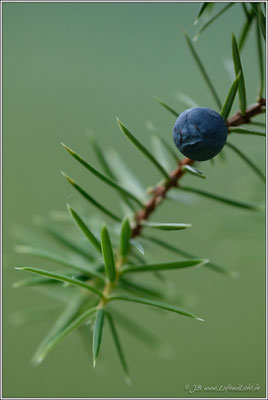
{"points": [[160, 191]]}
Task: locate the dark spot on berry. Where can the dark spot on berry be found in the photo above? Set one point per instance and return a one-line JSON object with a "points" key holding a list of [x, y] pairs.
{"points": [[180, 139]]}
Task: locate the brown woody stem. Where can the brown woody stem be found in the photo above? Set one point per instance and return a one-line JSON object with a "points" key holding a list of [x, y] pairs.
{"points": [[160, 191]]}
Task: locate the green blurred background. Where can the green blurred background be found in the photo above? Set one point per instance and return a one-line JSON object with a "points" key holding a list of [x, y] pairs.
{"points": [[73, 67]]}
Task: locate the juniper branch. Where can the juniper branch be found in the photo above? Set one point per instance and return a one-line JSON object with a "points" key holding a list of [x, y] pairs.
{"points": [[160, 191], [114, 262]]}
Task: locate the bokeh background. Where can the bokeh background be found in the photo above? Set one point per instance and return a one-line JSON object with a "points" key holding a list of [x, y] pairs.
{"points": [[73, 67]]}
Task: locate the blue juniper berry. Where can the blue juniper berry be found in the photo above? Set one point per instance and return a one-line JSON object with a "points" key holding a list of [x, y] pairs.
{"points": [[200, 133]]}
